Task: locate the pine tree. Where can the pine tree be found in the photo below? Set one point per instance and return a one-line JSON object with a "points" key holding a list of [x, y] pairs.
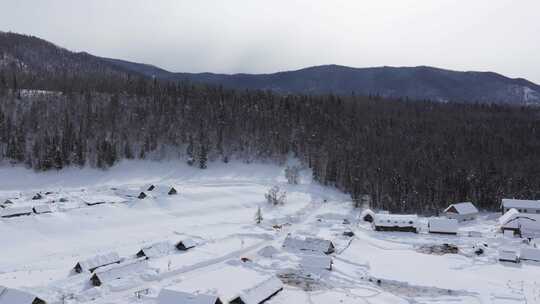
{"points": [[128, 154], [189, 151], [16, 90], [3, 83], [259, 216], [292, 174], [203, 156], [58, 160]]}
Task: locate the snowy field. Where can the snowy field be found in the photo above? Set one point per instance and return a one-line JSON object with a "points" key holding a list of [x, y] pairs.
{"points": [[97, 212]]}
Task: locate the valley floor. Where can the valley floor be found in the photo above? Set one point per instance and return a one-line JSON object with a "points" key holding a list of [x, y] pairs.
{"points": [[216, 208]]}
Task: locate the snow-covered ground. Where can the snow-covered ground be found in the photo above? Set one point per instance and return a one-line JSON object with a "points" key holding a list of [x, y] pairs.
{"points": [[216, 208]]}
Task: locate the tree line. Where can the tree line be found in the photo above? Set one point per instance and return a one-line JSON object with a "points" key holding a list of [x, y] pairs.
{"points": [[408, 156]]}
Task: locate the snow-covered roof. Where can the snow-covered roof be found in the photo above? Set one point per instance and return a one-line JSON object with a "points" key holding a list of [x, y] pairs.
{"points": [[508, 216], [97, 199], [168, 296], [524, 221], [188, 243], [316, 262], [42, 209], [520, 204], [508, 254], [308, 244], [262, 291], [393, 220], [227, 281], [14, 211], [463, 208], [99, 261], [530, 228], [157, 250], [15, 296], [530, 253], [366, 212], [443, 225], [118, 271]]}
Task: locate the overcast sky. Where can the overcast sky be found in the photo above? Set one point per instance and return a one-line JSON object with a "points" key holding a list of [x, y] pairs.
{"points": [[232, 36]]}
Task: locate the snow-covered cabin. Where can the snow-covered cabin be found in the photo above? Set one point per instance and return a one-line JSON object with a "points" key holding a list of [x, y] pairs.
{"points": [[151, 188], [96, 262], [38, 196], [229, 281], [16, 211], [396, 222], [348, 233], [520, 224], [40, 209], [172, 191], [155, 250], [316, 263], [509, 222], [367, 215], [531, 229], [523, 206], [15, 296], [260, 293], [98, 199], [443, 225], [530, 254], [461, 211], [110, 273], [186, 244], [508, 255], [309, 244], [169, 296], [142, 195]]}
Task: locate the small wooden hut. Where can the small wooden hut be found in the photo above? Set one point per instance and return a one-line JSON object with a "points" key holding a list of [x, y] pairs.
{"points": [[309, 245], [155, 250], [16, 211], [466, 211], [40, 209], [168, 296], [98, 261], [16, 296], [259, 293], [443, 226], [186, 244], [396, 222]]}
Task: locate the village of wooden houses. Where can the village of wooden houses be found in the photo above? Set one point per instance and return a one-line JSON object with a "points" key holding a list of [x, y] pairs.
{"points": [[210, 237]]}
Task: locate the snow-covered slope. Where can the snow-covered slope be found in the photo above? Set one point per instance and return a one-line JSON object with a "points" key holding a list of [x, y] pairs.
{"points": [[216, 208]]}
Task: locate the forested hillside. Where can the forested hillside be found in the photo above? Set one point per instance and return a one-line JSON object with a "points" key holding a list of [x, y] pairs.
{"points": [[409, 156], [415, 83]]}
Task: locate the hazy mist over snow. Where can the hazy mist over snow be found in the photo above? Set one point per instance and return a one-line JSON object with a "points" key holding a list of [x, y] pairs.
{"points": [[258, 37]]}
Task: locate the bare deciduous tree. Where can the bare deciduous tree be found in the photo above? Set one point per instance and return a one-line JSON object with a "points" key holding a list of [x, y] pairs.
{"points": [[275, 196]]}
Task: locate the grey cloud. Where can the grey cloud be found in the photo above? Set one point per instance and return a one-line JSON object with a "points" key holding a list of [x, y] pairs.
{"points": [[267, 36]]}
